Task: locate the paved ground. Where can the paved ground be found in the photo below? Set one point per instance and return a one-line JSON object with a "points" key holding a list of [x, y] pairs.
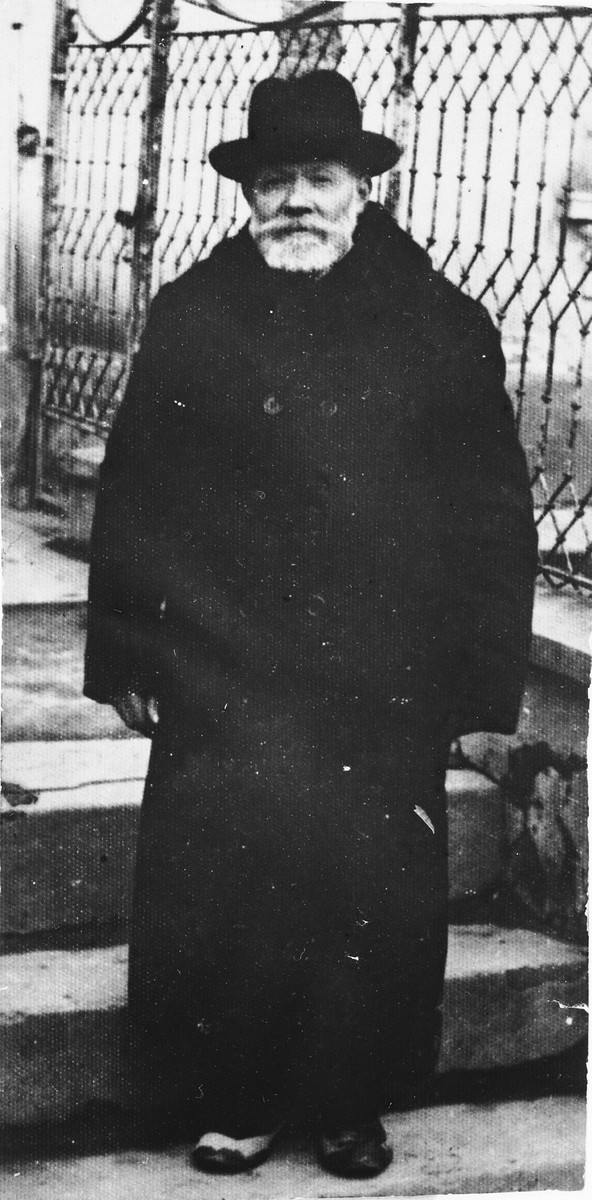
{"points": [[452, 1149], [43, 661], [44, 595], [40, 565]]}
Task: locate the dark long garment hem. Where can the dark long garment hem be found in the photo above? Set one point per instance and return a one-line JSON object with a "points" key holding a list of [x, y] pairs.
{"points": [[289, 931]]}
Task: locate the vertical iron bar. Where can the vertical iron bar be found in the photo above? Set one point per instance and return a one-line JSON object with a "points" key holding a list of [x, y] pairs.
{"points": [[306, 48], [405, 65], [49, 214], [146, 232]]}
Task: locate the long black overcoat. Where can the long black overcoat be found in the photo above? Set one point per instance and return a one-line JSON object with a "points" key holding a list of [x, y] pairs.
{"points": [[314, 545]]}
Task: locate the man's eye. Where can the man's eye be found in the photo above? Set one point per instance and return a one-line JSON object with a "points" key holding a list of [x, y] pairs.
{"points": [[273, 181]]}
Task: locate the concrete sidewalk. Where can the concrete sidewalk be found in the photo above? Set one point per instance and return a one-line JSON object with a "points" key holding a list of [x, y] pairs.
{"points": [[35, 570], [44, 632], [463, 1149]]}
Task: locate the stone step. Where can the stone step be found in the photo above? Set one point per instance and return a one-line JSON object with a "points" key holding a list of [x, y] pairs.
{"points": [[462, 1149], [68, 855], [68, 847], [511, 996]]}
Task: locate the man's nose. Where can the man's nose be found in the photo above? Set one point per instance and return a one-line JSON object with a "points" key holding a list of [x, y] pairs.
{"points": [[299, 195]]}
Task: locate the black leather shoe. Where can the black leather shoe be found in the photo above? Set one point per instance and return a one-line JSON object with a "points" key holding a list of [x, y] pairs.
{"points": [[357, 1153]]}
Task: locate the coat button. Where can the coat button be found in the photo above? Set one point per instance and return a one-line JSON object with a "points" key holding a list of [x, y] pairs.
{"points": [[272, 406]]}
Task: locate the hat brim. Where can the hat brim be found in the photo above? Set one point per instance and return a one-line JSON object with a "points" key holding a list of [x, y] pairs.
{"points": [[371, 153]]}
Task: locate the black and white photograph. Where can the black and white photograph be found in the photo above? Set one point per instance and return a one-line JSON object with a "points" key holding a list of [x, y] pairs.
{"points": [[296, 407]]}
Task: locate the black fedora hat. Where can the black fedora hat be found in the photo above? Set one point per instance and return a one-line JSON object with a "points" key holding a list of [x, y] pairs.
{"points": [[301, 118]]}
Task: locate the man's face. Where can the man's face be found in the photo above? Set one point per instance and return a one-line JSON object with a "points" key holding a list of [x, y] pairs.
{"points": [[303, 215]]}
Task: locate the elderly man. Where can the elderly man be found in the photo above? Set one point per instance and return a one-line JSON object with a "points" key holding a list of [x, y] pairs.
{"points": [[312, 566]]}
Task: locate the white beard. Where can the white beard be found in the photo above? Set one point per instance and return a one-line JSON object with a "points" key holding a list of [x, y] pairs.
{"points": [[312, 251], [305, 252]]}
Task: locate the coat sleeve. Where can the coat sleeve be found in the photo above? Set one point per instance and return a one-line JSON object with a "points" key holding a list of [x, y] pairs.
{"points": [[489, 536], [126, 584]]}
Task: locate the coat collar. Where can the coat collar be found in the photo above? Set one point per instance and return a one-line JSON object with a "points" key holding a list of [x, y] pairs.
{"points": [[384, 268]]}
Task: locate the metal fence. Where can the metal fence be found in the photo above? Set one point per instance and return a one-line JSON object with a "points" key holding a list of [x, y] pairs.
{"points": [[86, 301], [494, 182], [499, 189]]}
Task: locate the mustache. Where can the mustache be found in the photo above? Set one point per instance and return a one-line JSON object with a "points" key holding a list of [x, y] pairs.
{"points": [[279, 227]]}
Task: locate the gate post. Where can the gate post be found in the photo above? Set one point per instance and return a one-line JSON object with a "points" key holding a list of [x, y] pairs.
{"points": [[52, 155], [145, 231], [405, 65]]}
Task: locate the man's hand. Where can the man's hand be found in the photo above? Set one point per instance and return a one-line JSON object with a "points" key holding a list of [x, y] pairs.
{"points": [[137, 713]]}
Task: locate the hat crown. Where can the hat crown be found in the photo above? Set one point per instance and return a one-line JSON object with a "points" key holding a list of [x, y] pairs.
{"points": [[301, 118], [320, 106]]}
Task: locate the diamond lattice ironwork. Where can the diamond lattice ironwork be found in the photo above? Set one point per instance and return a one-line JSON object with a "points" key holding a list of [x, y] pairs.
{"points": [[496, 183]]}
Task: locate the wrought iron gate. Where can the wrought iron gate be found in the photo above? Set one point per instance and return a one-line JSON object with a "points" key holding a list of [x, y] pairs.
{"points": [[496, 183]]}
